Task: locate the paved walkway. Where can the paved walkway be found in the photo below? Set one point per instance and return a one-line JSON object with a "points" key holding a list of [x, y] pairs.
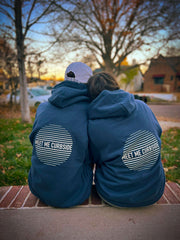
{"points": [[157, 222], [168, 124], [168, 111]]}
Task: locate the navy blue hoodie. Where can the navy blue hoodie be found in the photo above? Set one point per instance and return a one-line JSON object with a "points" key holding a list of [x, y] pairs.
{"points": [[125, 143], [61, 172]]}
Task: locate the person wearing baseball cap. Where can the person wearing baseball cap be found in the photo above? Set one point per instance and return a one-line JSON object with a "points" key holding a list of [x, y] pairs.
{"points": [[61, 169], [78, 72]]}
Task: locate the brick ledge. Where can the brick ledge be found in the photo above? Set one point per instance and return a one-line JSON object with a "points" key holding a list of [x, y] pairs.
{"points": [[21, 197]]}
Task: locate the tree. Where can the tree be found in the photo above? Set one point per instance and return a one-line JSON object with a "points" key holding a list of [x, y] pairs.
{"points": [[30, 68], [20, 24], [9, 64], [39, 63], [127, 77], [113, 29]]}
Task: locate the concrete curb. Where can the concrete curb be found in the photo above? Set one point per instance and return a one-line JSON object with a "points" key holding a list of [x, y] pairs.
{"points": [[20, 197]]}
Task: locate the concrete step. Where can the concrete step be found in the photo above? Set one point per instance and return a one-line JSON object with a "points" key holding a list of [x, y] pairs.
{"points": [[156, 222], [23, 216]]}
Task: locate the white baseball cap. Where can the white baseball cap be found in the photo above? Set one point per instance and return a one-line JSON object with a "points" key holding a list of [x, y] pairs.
{"points": [[78, 72]]}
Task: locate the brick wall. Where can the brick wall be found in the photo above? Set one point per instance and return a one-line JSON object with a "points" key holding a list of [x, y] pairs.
{"points": [[161, 67]]}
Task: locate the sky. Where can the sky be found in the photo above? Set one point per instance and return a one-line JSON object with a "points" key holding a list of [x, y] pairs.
{"points": [[55, 68]]}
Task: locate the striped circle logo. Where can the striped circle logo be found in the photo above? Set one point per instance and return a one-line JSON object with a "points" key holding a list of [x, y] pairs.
{"points": [[53, 145], [141, 151]]}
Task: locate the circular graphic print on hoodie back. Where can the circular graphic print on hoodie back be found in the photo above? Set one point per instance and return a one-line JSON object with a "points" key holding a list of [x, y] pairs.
{"points": [[53, 144], [141, 151]]}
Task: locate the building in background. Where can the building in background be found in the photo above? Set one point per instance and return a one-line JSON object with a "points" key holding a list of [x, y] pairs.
{"points": [[163, 75]]}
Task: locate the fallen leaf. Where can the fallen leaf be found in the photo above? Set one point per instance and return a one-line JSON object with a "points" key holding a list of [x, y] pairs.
{"points": [[175, 149], [11, 167], [172, 168], [166, 169], [132, 220], [1, 167], [10, 146], [18, 155], [164, 160], [168, 175]]}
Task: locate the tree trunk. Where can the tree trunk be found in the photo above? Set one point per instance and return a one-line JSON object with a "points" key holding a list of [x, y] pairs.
{"points": [[108, 67], [25, 111]]}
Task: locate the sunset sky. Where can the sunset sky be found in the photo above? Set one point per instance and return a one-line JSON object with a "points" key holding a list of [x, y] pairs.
{"points": [[56, 66]]}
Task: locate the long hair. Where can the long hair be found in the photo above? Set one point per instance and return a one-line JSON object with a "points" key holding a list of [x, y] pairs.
{"points": [[99, 82]]}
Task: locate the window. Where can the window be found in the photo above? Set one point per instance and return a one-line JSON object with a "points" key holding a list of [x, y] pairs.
{"points": [[178, 77], [158, 80]]}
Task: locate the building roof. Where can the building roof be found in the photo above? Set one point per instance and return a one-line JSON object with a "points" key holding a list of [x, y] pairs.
{"points": [[173, 62]]}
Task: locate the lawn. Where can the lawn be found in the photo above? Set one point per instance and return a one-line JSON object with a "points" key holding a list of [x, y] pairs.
{"points": [[171, 154], [15, 152]]}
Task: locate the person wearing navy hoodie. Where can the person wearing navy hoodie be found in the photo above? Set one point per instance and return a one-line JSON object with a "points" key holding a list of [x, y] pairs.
{"points": [[61, 169], [125, 144]]}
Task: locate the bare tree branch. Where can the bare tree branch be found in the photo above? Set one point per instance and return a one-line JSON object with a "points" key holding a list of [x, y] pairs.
{"points": [[113, 29], [29, 25]]}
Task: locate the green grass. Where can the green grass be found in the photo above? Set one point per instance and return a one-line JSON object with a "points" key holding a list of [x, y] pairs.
{"points": [[171, 154], [16, 150]]}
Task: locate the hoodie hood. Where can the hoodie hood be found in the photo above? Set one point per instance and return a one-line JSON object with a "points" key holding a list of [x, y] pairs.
{"points": [[68, 93], [108, 104]]}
